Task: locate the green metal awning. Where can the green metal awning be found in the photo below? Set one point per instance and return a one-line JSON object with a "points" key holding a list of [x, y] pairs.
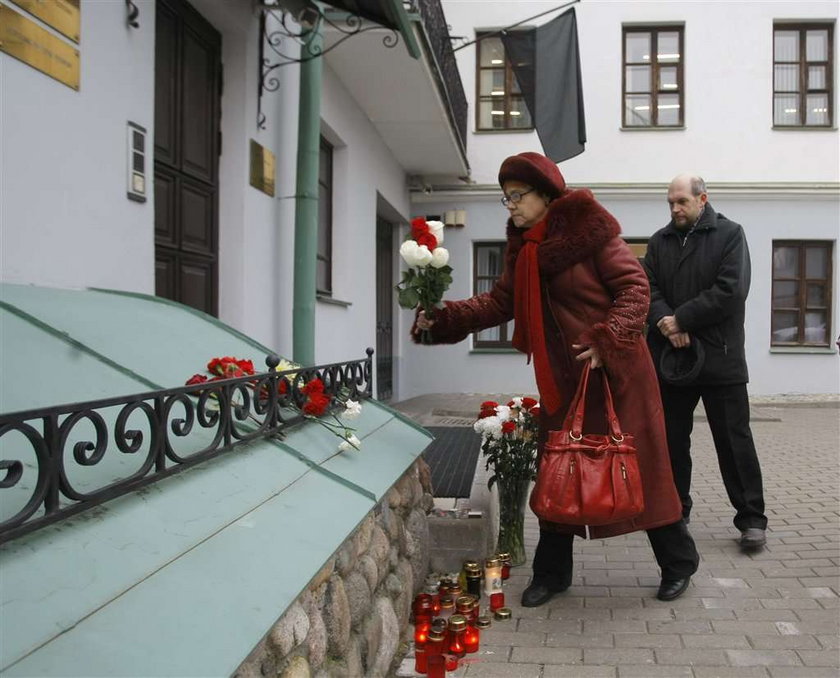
{"points": [[389, 13], [186, 575]]}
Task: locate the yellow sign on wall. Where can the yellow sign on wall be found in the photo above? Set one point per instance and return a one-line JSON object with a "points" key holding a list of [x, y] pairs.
{"points": [[262, 168], [23, 39], [62, 15]]}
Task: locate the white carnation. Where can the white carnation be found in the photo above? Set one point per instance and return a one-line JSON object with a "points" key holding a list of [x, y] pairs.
{"points": [[423, 257], [351, 443], [408, 251], [436, 229], [440, 257], [517, 401], [352, 409], [503, 412]]}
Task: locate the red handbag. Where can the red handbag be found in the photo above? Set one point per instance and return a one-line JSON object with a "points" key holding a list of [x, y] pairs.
{"points": [[588, 478]]}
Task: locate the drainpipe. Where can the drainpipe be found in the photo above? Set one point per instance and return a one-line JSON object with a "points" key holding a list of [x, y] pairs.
{"points": [[306, 201]]}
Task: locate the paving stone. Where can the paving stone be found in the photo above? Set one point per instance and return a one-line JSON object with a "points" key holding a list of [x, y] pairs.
{"points": [[544, 626], [818, 657], [584, 613], [749, 628], [763, 658], [515, 638], [655, 672], [801, 672], [548, 655], [487, 670], [724, 642], [784, 643], [553, 671], [579, 640], [730, 672], [692, 657], [680, 627], [766, 615], [621, 657], [832, 641], [647, 640], [621, 626], [491, 653]]}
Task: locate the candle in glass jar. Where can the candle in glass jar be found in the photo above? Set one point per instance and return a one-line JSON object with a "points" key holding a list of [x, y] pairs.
{"points": [[447, 606], [473, 578], [504, 558], [421, 661], [471, 638], [493, 580], [422, 609], [432, 591], [455, 641]]}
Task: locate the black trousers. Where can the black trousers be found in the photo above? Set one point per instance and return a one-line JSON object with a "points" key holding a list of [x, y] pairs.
{"points": [[672, 545], [728, 412]]}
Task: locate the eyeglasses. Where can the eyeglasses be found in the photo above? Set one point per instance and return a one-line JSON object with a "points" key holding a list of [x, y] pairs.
{"points": [[515, 197]]}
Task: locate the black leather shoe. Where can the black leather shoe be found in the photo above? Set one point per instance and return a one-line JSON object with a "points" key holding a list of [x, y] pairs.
{"points": [[671, 589], [539, 594], [753, 538]]}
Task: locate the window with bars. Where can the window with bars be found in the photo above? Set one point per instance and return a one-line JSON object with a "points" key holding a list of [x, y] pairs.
{"points": [[803, 74], [323, 280], [652, 80], [488, 263], [801, 306], [501, 105]]}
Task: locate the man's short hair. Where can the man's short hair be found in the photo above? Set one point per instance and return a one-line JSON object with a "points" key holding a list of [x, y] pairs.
{"points": [[698, 186]]}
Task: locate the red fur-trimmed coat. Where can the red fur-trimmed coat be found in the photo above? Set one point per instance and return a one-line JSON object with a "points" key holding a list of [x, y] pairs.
{"points": [[599, 296]]}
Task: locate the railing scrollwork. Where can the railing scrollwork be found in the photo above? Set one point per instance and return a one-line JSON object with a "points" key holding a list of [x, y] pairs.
{"points": [[58, 461]]}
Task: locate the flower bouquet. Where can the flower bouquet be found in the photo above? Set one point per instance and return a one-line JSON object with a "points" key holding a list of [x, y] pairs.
{"points": [[316, 404], [509, 440], [428, 275]]}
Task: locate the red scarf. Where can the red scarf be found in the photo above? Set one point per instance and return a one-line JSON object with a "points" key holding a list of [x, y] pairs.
{"points": [[529, 333]]}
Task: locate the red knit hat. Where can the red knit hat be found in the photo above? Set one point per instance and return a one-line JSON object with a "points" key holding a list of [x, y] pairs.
{"points": [[535, 170]]}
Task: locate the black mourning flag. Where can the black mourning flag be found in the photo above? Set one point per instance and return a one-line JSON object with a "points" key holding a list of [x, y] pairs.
{"points": [[546, 62]]}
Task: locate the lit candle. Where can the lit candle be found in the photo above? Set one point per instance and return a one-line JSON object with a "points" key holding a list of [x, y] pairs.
{"points": [[493, 583], [505, 560], [471, 637]]}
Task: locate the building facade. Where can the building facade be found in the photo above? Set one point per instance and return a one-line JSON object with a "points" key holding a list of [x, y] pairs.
{"points": [[742, 93]]}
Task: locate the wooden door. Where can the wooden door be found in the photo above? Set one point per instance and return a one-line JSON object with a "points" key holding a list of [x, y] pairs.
{"points": [[188, 78]]}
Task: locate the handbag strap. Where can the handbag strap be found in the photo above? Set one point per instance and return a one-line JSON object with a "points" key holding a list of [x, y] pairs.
{"points": [[574, 418]]}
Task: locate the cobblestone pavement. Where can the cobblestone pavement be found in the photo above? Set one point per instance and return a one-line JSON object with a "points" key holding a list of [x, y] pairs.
{"points": [[771, 614]]}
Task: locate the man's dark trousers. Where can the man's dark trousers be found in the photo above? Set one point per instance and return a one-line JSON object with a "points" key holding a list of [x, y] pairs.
{"points": [[728, 412]]}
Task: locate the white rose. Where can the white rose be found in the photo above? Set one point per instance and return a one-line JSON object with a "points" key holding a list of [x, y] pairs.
{"points": [[350, 443], [352, 409], [423, 257], [408, 251], [440, 257], [436, 229]]}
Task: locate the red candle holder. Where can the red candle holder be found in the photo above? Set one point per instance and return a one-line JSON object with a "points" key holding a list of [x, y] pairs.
{"points": [[471, 639], [497, 600]]}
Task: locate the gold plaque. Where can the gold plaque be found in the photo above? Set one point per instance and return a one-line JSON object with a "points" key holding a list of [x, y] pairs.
{"points": [[262, 168], [62, 15], [23, 39]]}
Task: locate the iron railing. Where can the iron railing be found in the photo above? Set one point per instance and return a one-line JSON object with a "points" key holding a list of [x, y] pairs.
{"points": [[453, 93], [140, 439]]}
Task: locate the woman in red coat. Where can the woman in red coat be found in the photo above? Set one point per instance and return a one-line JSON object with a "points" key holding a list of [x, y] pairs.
{"points": [[576, 293]]}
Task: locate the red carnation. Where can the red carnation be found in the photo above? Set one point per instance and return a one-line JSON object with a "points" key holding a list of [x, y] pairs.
{"points": [[247, 366], [316, 404], [508, 426], [312, 387], [489, 405], [528, 403], [426, 239], [418, 227], [486, 413], [196, 379]]}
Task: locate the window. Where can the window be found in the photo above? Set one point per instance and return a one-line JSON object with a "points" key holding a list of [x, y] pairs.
{"points": [[803, 75], [323, 280], [652, 88], [501, 105], [801, 293], [489, 261]]}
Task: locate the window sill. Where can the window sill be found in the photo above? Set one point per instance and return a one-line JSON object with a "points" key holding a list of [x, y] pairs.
{"points": [[824, 350], [333, 302], [652, 129], [494, 350], [517, 130], [803, 128]]}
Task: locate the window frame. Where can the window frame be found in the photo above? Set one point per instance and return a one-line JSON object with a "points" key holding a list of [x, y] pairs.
{"points": [[655, 91], [802, 307], [504, 341], [510, 78], [802, 93], [325, 217]]}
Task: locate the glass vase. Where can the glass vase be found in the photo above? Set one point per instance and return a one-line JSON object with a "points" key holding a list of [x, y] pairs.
{"points": [[513, 497]]}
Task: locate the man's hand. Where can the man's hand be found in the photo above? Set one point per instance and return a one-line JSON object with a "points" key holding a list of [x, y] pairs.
{"points": [[423, 322], [679, 339], [668, 325]]}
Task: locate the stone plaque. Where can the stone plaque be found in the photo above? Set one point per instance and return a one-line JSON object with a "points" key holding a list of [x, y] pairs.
{"points": [[62, 15], [262, 168], [23, 39]]}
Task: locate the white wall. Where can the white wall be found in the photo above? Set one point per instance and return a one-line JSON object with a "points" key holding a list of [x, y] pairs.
{"points": [[65, 220], [728, 94]]}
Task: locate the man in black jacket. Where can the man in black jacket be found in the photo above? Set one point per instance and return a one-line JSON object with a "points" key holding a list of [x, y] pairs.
{"points": [[699, 271]]}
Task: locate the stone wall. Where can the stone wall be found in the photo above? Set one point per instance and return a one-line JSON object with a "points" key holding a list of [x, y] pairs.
{"points": [[352, 621]]}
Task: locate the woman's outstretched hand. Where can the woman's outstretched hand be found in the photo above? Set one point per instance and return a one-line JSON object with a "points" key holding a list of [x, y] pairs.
{"points": [[423, 322], [591, 354]]}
